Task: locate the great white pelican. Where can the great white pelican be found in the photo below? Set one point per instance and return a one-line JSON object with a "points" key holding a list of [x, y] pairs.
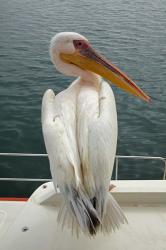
{"points": [[80, 132]]}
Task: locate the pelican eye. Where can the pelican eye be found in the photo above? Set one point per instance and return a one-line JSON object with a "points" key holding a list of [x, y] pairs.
{"points": [[78, 44]]}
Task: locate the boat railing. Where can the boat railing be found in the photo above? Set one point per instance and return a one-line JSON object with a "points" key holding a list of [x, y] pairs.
{"points": [[117, 158]]}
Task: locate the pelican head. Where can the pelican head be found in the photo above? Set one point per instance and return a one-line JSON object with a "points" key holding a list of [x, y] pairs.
{"points": [[73, 55]]}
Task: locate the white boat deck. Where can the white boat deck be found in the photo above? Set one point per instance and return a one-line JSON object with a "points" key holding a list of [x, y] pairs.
{"points": [[32, 225]]}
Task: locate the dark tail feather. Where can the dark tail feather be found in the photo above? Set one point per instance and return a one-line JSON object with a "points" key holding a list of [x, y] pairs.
{"points": [[83, 212]]}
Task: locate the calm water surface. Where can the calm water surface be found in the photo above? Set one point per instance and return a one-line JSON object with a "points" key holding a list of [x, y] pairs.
{"points": [[131, 33]]}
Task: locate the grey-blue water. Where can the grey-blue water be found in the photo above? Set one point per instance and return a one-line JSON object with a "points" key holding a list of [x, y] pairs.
{"points": [[132, 34]]}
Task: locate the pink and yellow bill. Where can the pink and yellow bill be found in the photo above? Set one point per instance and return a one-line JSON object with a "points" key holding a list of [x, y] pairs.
{"points": [[87, 58]]}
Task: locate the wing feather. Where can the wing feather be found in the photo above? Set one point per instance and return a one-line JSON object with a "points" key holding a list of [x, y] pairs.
{"points": [[97, 135], [58, 124], [103, 138]]}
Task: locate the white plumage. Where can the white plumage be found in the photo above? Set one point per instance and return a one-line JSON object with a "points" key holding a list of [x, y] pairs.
{"points": [[80, 132]]}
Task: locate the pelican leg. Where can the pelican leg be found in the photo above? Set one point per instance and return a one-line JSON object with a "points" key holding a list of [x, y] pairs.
{"points": [[111, 186]]}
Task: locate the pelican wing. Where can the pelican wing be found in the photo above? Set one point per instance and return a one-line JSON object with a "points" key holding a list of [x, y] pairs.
{"points": [[58, 124], [103, 138], [97, 135]]}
